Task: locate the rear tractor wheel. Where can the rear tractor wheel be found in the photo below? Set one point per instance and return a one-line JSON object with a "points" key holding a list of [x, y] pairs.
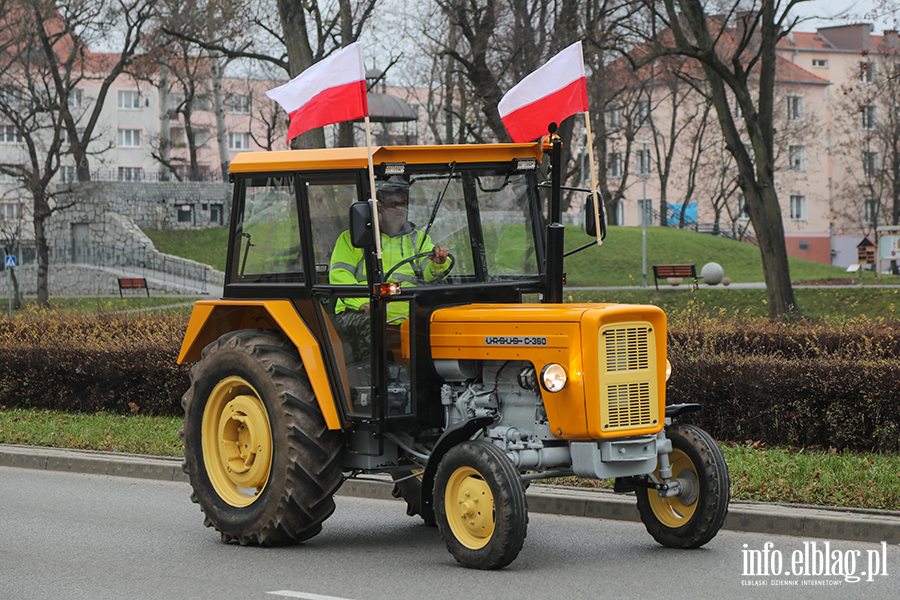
{"points": [[262, 463], [694, 517], [480, 505]]}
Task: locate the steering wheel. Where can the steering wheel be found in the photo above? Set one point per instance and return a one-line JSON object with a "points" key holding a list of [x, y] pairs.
{"points": [[440, 277]]}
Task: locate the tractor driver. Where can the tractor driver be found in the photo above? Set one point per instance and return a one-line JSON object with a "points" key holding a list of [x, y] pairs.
{"points": [[399, 241]]}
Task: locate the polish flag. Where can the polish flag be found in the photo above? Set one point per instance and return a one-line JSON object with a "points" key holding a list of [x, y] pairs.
{"points": [[330, 91], [555, 91]]}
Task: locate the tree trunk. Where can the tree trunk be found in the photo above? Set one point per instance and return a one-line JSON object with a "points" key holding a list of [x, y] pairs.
{"points": [[300, 57], [345, 128], [165, 129], [41, 214], [219, 107]]}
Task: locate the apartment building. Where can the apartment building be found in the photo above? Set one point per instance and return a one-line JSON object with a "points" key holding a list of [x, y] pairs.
{"points": [[828, 112]]}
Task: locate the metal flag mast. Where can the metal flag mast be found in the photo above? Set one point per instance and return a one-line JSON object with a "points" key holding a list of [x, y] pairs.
{"points": [[590, 145]]}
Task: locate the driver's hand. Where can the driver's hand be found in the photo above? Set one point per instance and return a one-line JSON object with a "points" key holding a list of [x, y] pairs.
{"points": [[439, 254]]}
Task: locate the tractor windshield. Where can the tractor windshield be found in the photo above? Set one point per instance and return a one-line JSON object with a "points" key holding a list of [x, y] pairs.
{"points": [[484, 217]]}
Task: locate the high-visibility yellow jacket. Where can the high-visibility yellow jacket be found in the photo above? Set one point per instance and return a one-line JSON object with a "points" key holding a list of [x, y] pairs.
{"points": [[348, 267]]}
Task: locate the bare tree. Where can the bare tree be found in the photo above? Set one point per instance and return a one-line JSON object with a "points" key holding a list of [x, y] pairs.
{"points": [[736, 50], [46, 71], [290, 34]]}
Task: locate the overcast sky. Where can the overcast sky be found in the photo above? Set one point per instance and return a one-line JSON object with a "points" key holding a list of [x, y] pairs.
{"points": [[825, 13]]}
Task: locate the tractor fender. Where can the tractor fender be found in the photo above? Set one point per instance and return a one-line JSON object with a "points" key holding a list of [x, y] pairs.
{"points": [[211, 319], [453, 435]]}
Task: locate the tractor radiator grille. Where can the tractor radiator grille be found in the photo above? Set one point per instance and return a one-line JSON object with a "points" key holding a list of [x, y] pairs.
{"points": [[628, 383], [628, 405], [626, 348]]}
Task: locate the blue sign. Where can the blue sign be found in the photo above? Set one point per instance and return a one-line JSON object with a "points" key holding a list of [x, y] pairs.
{"points": [[10, 261]]}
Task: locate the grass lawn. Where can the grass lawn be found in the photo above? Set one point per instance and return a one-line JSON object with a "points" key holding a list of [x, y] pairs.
{"points": [[764, 474]]}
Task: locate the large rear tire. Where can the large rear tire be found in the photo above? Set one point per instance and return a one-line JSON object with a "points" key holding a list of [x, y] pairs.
{"points": [[480, 505], [262, 462], [695, 517]]}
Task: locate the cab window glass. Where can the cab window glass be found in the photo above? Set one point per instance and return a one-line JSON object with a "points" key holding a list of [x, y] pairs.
{"points": [[329, 206], [267, 244]]}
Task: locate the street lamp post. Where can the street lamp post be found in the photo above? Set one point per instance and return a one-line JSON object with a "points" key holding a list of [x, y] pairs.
{"points": [[645, 171]]}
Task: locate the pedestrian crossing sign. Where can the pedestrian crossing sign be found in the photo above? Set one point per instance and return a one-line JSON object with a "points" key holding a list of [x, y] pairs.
{"points": [[10, 262]]}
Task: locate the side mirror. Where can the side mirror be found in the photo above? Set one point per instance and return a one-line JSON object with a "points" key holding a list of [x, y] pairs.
{"points": [[362, 233], [593, 204]]}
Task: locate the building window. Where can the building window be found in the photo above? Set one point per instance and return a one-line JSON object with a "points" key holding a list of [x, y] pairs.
{"points": [[869, 117], [645, 207], [870, 164], [11, 95], [238, 141], [820, 63], [10, 173], [239, 105], [867, 72], [76, 98], [614, 165], [795, 109], [643, 161], [797, 159], [871, 208], [216, 213], [11, 211], [201, 138], [614, 118], [129, 138], [67, 174], [186, 213], [131, 174], [642, 113], [798, 207], [129, 100], [10, 135]]}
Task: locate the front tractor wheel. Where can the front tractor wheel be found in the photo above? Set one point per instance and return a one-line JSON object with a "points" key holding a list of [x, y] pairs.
{"points": [[695, 516], [262, 463], [480, 505]]}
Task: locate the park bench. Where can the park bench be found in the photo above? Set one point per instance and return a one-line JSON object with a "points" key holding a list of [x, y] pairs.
{"points": [[682, 271], [133, 283]]}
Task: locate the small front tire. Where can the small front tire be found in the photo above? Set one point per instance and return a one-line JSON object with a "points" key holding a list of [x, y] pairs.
{"points": [[695, 517], [480, 506]]}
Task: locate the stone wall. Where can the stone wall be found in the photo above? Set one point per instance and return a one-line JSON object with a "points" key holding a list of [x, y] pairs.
{"points": [[96, 238], [149, 205]]}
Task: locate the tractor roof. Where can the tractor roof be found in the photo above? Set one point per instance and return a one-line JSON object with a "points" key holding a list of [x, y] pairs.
{"points": [[356, 158]]}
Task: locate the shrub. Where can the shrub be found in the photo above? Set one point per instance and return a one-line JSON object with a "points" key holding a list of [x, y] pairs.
{"points": [[114, 363], [793, 384], [801, 384]]}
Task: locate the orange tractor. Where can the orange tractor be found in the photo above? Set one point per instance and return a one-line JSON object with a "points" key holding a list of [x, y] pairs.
{"points": [[437, 352]]}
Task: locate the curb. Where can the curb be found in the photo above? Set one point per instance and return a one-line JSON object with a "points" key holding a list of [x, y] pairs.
{"points": [[757, 517]]}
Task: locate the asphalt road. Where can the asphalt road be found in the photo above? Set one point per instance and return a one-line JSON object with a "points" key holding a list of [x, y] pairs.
{"points": [[74, 536]]}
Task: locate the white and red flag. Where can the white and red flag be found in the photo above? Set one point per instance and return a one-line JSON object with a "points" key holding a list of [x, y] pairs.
{"points": [[330, 91], [555, 91]]}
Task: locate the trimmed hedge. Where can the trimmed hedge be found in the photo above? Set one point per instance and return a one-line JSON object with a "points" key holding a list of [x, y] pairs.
{"points": [[91, 363], [829, 385]]}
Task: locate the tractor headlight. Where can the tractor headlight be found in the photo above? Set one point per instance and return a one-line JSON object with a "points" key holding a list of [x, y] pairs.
{"points": [[553, 377], [668, 369]]}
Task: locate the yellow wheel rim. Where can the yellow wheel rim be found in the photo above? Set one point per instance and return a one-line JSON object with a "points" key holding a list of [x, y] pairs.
{"points": [[237, 442], [469, 506], [673, 512]]}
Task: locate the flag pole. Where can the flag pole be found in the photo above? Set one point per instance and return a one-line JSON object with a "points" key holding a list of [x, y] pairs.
{"points": [[590, 145], [372, 202]]}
